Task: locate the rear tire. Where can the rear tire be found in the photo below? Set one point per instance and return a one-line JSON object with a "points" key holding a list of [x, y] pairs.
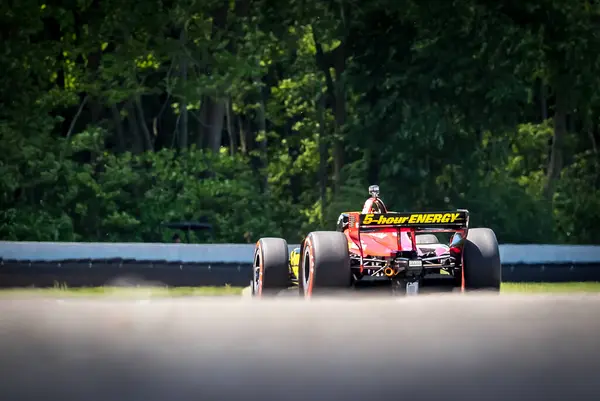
{"points": [[324, 264], [481, 261], [271, 272]]}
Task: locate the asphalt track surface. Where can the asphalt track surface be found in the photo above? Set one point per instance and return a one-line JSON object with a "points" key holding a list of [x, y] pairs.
{"points": [[434, 347]]}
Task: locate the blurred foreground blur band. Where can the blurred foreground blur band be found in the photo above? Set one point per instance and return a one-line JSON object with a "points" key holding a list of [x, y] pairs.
{"points": [[434, 347]]}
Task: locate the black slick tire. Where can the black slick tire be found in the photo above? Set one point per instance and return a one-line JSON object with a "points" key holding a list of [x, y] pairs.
{"points": [[324, 264], [270, 272], [481, 261]]}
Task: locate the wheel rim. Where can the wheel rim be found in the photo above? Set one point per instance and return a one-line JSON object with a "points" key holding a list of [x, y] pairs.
{"points": [[305, 270], [256, 279]]}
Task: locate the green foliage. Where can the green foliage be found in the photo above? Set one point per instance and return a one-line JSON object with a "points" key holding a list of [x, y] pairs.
{"points": [[127, 198], [444, 105], [577, 209]]}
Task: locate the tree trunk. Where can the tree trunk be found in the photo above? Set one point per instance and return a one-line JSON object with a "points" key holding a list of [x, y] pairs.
{"points": [[339, 63], [261, 122], [590, 132], [230, 128], [555, 165], [183, 112], [543, 101], [134, 132], [215, 107], [335, 89], [214, 129], [118, 129], [243, 136], [147, 137], [323, 153]]}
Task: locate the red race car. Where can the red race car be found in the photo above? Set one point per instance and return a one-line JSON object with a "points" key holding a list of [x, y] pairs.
{"points": [[374, 245]]}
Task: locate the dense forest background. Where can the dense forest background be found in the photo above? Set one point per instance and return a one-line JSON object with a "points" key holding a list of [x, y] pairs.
{"points": [[268, 118]]}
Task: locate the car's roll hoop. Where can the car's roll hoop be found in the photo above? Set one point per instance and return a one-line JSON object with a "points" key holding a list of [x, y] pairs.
{"points": [[374, 191], [374, 204]]}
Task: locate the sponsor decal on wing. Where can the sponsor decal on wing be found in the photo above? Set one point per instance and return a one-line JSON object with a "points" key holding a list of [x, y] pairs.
{"points": [[414, 218]]}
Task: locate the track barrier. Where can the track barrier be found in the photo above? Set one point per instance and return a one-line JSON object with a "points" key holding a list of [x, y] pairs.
{"points": [[46, 264]]}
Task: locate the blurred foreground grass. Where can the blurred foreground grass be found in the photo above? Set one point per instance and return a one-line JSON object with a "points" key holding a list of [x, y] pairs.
{"points": [[550, 287], [63, 291]]}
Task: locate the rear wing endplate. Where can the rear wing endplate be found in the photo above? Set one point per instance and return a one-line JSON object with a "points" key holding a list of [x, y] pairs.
{"points": [[456, 219]]}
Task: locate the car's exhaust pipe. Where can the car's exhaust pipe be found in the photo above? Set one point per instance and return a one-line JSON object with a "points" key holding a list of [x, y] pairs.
{"points": [[390, 272]]}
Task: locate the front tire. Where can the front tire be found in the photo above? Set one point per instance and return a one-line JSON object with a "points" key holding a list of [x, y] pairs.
{"points": [[271, 272], [482, 268], [324, 264]]}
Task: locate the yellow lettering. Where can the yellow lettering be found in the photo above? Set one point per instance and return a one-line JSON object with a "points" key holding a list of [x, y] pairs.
{"points": [[417, 218]]}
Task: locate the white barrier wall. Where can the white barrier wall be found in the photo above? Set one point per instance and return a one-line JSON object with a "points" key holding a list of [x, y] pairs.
{"points": [[243, 253]]}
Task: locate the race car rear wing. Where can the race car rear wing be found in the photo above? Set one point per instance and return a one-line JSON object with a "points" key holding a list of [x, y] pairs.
{"points": [[448, 220]]}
